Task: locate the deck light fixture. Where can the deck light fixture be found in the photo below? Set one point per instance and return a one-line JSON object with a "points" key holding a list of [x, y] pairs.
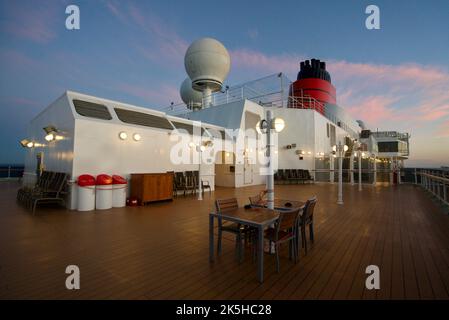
{"points": [[200, 148], [136, 137], [30, 144], [51, 133], [339, 151], [24, 143], [123, 135], [265, 126]]}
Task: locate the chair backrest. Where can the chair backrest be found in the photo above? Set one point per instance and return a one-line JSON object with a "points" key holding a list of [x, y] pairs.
{"points": [[226, 204], [255, 200], [280, 172], [287, 219], [309, 208], [179, 178]]}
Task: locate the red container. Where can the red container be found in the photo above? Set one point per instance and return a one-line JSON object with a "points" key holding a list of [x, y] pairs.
{"points": [[103, 180], [86, 180], [118, 180]]}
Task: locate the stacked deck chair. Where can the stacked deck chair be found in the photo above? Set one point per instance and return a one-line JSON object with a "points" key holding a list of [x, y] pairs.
{"points": [[51, 188]]}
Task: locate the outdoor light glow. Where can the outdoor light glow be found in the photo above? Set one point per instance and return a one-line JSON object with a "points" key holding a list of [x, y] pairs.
{"points": [[309, 152], [30, 144], [259, 131], [345, 148], [227, 154], [123, 135], [202, 148], [334, 148], [136, 137], [50, 137], [191, 145], [363, 154], [279, 124]]}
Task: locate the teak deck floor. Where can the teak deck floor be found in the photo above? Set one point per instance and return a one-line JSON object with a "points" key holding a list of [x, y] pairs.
{"points": [[161, 251]]}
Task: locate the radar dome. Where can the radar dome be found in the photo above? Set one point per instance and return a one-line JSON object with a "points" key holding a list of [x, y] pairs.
{"points": [[207, 63], [191, 98]]}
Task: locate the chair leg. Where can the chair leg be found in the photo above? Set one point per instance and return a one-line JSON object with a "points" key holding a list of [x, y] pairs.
{"points": [[305, 239], [311, 232], [277, 258], [34, 207], [219, 241]]}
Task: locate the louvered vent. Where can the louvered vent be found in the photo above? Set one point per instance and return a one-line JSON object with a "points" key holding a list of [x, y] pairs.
{"points": [[187, 127], [92, 110], [142, 119]]}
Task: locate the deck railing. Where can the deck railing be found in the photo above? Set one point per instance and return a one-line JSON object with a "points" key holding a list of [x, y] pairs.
{"points": [[434, 181], [11, 172]]}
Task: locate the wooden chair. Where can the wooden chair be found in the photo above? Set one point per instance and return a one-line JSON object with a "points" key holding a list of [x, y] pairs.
{"points": [[189, 182], [285, 230], [307, 220], [258, 200], [179, 182], [223, 205], [205, 185]]}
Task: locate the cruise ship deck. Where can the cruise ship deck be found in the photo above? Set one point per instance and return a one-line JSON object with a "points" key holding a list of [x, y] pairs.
{"points": [[161, 251]]}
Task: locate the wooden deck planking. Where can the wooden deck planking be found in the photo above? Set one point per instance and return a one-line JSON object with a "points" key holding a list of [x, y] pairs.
{"points": [[161, 250]]}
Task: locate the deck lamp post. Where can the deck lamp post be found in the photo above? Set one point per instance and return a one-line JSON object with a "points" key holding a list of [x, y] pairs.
{"points": [[265, 126], [340, 150], [200, 148], [360, 154]]}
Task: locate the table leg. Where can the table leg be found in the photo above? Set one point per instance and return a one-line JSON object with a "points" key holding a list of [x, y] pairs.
{"points": [[211, 238], [260, 253]]}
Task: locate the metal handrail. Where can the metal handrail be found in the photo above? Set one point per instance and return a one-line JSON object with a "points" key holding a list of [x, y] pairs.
{"points": [[437, 185]]}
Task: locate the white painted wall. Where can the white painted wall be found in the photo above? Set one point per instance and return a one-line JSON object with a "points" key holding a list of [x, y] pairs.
{"points": [[58, 155]]}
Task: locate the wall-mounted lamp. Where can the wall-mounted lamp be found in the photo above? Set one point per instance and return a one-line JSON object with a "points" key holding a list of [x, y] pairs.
{"points": [[26, 143], [123, 135], [51, 133], [136, 137]]}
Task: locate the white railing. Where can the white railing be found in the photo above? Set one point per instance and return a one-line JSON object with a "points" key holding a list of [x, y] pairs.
{"points": [[434, 181]]}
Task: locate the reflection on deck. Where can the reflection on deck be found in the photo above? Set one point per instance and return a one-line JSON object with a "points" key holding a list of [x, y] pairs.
{"points": [[161, 251]]}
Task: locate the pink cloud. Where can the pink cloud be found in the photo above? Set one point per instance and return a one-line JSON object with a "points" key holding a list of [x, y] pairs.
{"points": [[443, 129]]}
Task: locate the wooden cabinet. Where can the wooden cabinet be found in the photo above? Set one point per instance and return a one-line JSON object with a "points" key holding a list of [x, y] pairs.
{"points": [[149, 187]]}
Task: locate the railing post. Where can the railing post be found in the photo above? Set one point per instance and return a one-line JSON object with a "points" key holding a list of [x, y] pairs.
{"points": [[9, 172], [416, 177]]}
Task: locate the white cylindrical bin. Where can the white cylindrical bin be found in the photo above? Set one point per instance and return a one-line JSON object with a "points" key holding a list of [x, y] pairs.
{"points": [[103, 192], [119, 185], [86, 193]]}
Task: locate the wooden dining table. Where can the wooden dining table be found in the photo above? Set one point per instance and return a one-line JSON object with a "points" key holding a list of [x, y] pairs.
{"points": [[257, 217]]}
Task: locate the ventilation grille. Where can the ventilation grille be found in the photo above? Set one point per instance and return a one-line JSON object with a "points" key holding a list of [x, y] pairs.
{"points": [[92, 110], [142, 119], [187, 127]]}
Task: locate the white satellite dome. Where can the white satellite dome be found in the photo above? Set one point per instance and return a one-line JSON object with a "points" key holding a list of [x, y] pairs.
{"points": [[191, 98], [207, 63]]}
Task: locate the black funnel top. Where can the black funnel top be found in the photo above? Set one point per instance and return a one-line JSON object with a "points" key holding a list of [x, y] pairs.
{"points": [[313, 68]]}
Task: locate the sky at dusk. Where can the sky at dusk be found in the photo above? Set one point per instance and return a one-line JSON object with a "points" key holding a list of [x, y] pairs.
{"points": [[395, 78]]}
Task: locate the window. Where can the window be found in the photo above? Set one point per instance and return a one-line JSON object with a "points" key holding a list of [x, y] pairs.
{"points": [[390, 146], [187, 127], [143, 119], [91, 110]]}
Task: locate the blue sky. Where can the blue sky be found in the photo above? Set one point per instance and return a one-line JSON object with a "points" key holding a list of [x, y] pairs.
{"points": [[394, 78]]}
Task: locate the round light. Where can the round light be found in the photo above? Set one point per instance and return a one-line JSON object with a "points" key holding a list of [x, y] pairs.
{"points": [[30, 144], [363, 154], [303, 152], [136, 137], [309, 152], [50, 137], [202, 148], [345, 148], [227, 154], [334, 155], [191, 145], [334, 148], [279, 124], [259, 131], [123, 135]]}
